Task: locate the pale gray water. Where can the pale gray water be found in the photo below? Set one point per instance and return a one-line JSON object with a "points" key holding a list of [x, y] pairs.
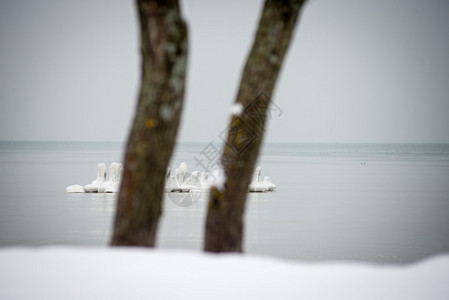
{"points": [[386, 203]]}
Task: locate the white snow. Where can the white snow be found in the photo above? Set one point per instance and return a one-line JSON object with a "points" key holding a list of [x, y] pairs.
{"points": [[75, 188], [236, 109], [136, 273], [218, 179], [98, 183], [166, 112]]}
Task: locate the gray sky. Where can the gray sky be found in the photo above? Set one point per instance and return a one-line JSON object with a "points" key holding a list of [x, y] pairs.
{"points": [[357, 70]]}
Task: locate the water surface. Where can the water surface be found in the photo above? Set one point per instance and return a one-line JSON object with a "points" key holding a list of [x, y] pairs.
{"points": [[383, 203]]}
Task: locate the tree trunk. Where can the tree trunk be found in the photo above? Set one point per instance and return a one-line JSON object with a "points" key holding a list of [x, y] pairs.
{"points": [[163, 38], [224, 223]]}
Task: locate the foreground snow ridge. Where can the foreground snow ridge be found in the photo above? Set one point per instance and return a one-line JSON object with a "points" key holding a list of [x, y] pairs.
{"points": [[126, 273], [179, 182]]}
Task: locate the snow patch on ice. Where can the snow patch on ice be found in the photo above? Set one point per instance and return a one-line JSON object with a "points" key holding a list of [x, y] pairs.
{"points": [[236, 109], [218, 179], [75, 188]]}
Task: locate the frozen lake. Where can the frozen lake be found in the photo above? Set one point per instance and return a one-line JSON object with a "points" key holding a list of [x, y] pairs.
{"points": [[384, 203]]}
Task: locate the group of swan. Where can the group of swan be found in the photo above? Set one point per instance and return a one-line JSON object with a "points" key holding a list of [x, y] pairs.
{"points": [[197, 182], [179, 182], [100, 184]]}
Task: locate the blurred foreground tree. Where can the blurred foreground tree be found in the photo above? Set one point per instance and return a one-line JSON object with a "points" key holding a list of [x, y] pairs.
{"points": [[163, 39], [224, 223]]}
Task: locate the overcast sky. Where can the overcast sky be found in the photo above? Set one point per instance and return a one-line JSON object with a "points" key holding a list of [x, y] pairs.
{"points": [[356, 71]]}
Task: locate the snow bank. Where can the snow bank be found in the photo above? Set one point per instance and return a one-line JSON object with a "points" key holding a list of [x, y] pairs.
{"points": [[101, 273]]}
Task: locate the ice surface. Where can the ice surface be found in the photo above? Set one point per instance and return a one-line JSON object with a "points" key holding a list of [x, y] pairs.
{"points": [[127, 273]]}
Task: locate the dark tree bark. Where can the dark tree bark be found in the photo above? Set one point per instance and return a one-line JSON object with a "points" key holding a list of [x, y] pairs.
{"points": [[224, 223], [163, 38]]}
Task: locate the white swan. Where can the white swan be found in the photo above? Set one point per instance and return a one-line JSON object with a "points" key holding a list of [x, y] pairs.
{"points": [[176, 182], [261, 186], [256, 185], [112, 177], [169, 182], [99, 182], [267, 181], [192, 183], [204, 180], [115, 178], [180, 174]]}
